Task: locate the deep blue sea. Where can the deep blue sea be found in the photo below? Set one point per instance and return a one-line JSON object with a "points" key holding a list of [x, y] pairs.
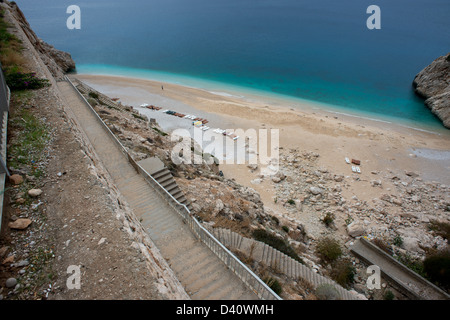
{"points": [[318, 50]]}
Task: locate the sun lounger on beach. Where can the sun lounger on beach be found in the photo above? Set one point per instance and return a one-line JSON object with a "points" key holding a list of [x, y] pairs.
{"points": [[347, 160], [357, 162], [358, 170], [353, 168]]}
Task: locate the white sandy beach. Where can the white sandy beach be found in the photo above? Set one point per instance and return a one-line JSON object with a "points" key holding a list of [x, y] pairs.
{"points": [[380, 146]]}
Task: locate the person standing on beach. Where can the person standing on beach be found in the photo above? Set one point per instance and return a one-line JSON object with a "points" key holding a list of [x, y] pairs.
{"points": [[162, 87]]}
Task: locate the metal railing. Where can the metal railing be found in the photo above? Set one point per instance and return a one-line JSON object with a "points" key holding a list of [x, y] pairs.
{"points": [[259, 287], [5, 96], [4, 92]]}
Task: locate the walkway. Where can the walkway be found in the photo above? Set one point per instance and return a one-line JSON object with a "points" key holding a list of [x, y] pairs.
{"points": [[198, 269]]}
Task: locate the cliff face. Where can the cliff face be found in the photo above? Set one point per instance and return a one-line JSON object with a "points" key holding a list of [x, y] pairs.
{"points": [[433, 84], [58, 62]]}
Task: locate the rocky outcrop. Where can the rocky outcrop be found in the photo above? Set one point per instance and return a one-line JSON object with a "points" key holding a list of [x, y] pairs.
{"points": [[433, 84], [58, 62]]}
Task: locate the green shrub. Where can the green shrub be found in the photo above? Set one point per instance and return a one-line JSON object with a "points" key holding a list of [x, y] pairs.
{"points": [[398, 241], [93, 95], [24, 81], [329, 249], [413, 264], [389, 295], [285, 228], [92, 102], [137, 116], [275, 219], [343, 272], [437, 268], [159, 131], [328, 219], [276, 243], [274, 284], [327, 292], [291, 202]]}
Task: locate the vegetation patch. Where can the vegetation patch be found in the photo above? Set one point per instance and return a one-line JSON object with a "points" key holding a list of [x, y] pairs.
{"points": [[160, 132], [440, 228], [17, 80], [273, 284], [437, 268], [328, 219], [276, 243], [329, 249], [13, 62], [30, 139], [343, 272]]}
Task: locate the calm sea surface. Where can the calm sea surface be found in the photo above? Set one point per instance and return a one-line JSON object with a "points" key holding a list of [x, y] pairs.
{"points": [[318, 50]]}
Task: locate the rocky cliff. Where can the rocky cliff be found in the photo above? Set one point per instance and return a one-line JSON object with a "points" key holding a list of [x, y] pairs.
{"points": [[58, 62], [433, 84]]}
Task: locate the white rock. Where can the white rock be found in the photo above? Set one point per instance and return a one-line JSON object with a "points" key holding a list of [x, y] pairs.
{"points": [[315, 190], [34, 192], [11, 282], [355, 229], [256, 181]]}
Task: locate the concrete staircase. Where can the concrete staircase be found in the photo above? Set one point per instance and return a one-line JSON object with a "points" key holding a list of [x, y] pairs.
{"points": [[198, 269], [165, 178]]}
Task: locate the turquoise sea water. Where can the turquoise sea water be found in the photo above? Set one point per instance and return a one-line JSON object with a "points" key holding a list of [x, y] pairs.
{"points": [[317, 50]]}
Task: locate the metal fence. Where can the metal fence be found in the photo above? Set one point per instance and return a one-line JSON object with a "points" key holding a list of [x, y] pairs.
{"points": [[258, 286], [5, 95]]}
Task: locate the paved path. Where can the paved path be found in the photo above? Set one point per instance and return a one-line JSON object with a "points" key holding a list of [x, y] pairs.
{"points": [[198, 269]]}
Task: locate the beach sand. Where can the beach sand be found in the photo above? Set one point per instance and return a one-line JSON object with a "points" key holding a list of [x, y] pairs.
{"points": [[379, 145]]}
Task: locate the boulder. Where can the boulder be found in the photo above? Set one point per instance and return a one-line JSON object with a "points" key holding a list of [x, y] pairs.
{"points": [[278, 177], [34, 192], [219, 207], [316, 190], [433, 84], [20, 224], [16, 179], [355, 229], [11, 282]]}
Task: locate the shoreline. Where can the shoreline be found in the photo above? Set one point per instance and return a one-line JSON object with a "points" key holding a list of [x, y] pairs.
{"points": [[379, 145], [252, 95]]}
